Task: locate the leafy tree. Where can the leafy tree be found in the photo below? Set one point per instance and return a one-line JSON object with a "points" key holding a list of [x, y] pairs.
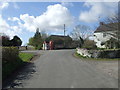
{"points": [[5, 40], [36, 40], [16, 41], [31, 41]]}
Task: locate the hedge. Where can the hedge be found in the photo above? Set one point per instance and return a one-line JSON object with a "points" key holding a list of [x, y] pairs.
{"points": [[10, 60], [9, 54]]}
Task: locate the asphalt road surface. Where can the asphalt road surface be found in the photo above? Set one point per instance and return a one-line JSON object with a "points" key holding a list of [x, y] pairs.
{"points": [[60, 69]]}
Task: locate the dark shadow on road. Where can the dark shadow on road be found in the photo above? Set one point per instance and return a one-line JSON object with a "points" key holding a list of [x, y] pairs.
{"points": [[23, 73]]}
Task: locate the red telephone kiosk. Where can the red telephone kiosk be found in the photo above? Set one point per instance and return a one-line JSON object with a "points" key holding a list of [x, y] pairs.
{"points": [[51, 45]]}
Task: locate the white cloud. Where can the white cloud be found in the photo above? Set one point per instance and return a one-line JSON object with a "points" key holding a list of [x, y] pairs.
{"points": [[3, 5], [28, 22], [53, 19], [98, 10], [67, 4], [13, 19], [9, 30]]}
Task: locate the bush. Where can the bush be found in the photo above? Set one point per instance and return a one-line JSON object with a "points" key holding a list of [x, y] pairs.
{"points": [[5, 40], [39, 47], [9, 54], [16, 41], [10, 60], [89, 44]]}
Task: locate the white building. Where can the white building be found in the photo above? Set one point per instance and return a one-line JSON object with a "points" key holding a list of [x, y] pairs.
{"points": [[105, 35]]}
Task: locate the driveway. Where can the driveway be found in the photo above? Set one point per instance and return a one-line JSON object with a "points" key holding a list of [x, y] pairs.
{"points": [[60, 69]]}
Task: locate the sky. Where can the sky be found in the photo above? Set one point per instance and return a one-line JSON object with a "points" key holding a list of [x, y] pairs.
{"points": [[22, 18]]}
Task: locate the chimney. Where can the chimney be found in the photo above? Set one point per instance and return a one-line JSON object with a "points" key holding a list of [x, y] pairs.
{"points": [[101, 23]]}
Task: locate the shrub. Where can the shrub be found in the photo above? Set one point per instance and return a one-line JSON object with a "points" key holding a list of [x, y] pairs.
{"points": [[9, 54], [39, 47], [89, 44], [5, 40], [10, 60], [16, 41]]}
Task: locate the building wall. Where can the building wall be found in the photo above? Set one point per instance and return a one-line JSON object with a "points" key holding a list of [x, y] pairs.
{"points": [[102, 37]]}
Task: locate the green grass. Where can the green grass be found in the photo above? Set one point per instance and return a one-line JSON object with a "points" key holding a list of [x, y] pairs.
{"points": [[8, 68], [98, 59], [25, 57]]}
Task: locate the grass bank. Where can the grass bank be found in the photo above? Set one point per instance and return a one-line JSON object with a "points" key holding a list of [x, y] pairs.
{"points": [[9, 67], [98, 59], [26, 57]]}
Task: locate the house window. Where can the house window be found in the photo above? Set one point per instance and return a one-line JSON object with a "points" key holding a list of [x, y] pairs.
{"points": [[104, 34]]}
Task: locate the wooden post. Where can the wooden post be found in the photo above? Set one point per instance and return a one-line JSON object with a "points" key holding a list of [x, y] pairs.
{"points": [[64, 35]]}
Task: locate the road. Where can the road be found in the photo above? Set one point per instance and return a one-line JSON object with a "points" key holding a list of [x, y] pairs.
{"points": [[60, 69]]}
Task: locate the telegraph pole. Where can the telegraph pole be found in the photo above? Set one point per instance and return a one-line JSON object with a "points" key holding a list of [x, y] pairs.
{"points": [[64, 29], [64, 35]]}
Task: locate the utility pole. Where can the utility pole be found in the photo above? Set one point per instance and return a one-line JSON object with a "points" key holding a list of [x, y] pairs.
{"points": [[64, 29], [64, 35]]}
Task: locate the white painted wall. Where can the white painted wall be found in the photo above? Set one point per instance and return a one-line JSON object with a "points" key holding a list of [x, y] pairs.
{"points": [[99, 38]]}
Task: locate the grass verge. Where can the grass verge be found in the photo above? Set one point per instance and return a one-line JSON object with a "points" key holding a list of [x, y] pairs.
{"points": [[26, 57], [98, 59], [10, 67]]}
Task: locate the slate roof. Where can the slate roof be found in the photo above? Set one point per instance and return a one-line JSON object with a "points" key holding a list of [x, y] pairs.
{"points": [[60, 36], [107, 27]]}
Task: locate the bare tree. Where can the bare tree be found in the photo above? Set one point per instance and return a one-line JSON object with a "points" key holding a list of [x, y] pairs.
{"points": [[81, 31]]}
